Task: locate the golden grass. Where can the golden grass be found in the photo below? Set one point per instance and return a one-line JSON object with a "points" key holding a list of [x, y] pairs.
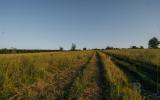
{"points": [[38, 75], [151, 56], [119, 86], [85, 86]]}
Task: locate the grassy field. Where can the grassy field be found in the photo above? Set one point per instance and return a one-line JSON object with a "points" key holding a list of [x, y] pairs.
{"points": [[142, 66], [81, 75], [39, 76]]}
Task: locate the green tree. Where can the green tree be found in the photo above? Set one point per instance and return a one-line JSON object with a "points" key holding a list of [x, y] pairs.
{"points": [[73, 47], [84, 48], [134, 47], [61, 48], [141, 47], [153, 43]]}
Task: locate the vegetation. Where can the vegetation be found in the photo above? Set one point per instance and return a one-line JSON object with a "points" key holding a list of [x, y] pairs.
{"points": [[146, 61], [142, 66], [38, 76], [153, 43], [119, 86], [84, 48], [60, 48], [127, 74], [14, 51], [134, 47], [73, 47], [147, 56], [86, 83]]}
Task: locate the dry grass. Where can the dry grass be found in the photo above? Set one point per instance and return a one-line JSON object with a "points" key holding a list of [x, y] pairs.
{"points": [[39, 75], [149, 56], [47, 75], [119, 86], [85, 86]]}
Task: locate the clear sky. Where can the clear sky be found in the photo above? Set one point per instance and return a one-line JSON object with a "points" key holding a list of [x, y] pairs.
{"points": [[48, 24]]}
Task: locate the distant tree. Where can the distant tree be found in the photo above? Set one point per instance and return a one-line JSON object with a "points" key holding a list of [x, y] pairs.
{"points": [[61, 48], [84, 49], [4, 50], [153, 43], [109, 47], [141, 47], [95, 49], [13, 50], [73, 47], [134, 47]]}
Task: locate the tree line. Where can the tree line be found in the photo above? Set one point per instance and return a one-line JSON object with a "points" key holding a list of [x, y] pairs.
{"points": [[152, 43], [11, 51]]}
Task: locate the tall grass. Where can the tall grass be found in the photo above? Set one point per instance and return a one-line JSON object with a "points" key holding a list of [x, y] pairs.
{"points": [[149, 86], [119, 86], [39, 75], [145, 61], [148, 56]]}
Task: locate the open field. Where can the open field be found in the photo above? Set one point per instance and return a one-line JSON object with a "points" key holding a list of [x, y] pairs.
{"points": [[81, 75], [142, 67]]}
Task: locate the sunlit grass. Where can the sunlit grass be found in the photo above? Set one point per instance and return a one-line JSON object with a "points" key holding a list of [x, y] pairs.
{"points": [[119, 86], [84, 79], [31, 76], [149, 56]]}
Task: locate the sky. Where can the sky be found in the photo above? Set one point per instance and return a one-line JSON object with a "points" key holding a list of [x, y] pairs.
{"points": [[49, 24]]}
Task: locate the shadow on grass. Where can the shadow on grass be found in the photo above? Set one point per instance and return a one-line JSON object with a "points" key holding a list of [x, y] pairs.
{"points": [[149, 87], [102, 82]]}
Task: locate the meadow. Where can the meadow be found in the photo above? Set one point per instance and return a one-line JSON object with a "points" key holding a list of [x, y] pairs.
{"points": [[130, 74]]}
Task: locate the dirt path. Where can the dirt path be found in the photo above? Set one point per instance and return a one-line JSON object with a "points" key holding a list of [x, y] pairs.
{"points": [[67, 85], [93, 90], [90, 84], [102, 81]]}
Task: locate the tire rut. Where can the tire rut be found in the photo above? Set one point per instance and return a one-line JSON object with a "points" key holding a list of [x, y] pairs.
{"points": [[67, 87], [147, 89], [102, 82]]}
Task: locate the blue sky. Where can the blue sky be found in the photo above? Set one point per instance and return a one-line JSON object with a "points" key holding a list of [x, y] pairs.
{"points": [[48, 24]]}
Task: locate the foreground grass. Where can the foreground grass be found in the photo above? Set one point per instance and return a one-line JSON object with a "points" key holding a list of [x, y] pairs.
{"points": [[72, 75], [39, 75], [148, 87], [145, 61], [119, 86]]}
